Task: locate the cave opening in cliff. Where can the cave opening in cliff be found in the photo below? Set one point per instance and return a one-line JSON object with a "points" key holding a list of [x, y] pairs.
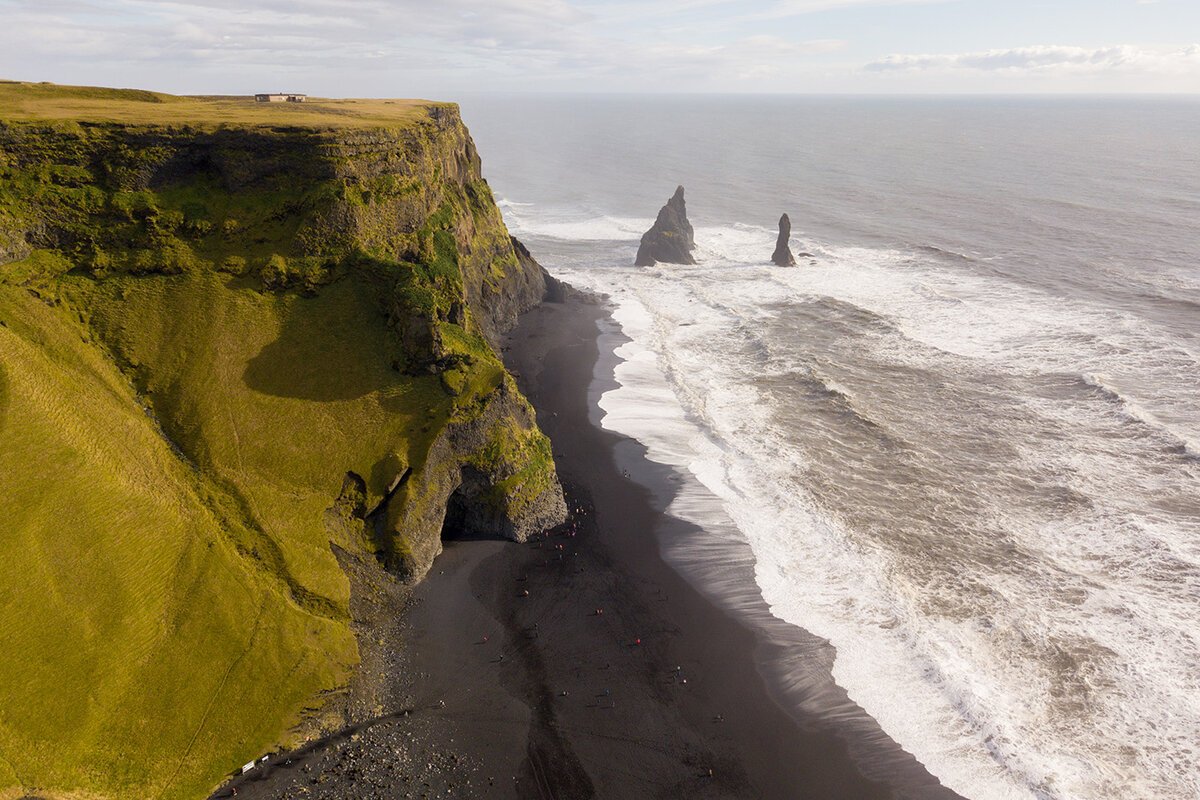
{"points": [[456, 514], [465, 517]]}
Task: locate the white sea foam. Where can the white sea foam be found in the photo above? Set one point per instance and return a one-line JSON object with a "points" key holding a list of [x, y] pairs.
{"points": [[1017, 328], [806, 570], [969, 456], [570, 225], [1065, 669]]}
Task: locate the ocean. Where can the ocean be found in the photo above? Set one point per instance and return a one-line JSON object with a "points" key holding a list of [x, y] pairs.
{"points": [[961, 438]]}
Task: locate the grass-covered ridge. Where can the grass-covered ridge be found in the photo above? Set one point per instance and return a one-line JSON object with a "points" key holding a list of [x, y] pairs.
{"points": [[43, 102], [207, 322]]}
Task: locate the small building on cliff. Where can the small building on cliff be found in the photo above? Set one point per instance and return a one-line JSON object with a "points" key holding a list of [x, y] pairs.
{"points": [[281, 98]]}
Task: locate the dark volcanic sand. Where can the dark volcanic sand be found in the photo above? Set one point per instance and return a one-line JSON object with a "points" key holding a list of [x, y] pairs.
{"points": [[499, 694]]}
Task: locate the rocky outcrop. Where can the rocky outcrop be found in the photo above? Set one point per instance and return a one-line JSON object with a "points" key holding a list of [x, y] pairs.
{"points": [[14, 244], [783, 254], [670, 239], [489, 473], [554, 290]]}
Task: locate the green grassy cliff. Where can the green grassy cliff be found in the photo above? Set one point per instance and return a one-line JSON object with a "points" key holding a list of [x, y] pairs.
{"points": [[234, 342]]}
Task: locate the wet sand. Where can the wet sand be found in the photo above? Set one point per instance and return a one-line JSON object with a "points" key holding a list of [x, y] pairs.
{"points": [[581, 664]]}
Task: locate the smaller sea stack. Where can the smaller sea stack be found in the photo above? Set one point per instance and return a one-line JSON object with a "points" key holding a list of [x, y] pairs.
{"points": [[783, 254], [670, 238]]}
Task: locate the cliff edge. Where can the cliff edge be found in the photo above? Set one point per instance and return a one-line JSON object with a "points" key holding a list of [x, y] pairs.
{"points": [[236, 345]]}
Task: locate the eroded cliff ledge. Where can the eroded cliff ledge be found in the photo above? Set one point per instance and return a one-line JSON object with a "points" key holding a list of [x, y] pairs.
{"points": [[234, 341]]}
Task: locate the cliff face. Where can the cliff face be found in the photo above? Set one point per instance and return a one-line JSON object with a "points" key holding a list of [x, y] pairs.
{"points": [[225, 353]]}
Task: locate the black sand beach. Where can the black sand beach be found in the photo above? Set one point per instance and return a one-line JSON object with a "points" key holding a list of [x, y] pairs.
{"points": [[581, 664]]}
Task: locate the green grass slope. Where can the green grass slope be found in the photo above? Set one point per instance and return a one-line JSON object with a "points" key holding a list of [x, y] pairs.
{"points": [[110, 681], [203, 331]]}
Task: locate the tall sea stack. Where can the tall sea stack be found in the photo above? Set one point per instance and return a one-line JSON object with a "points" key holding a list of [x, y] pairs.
{"points": [[783, 254], [670, 239]]}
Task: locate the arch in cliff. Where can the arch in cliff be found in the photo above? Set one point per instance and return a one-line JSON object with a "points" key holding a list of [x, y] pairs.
{"points": [[467, 514]]}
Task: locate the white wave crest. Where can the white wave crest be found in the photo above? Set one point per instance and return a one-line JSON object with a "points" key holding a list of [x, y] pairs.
{"points": [[917, 352]]}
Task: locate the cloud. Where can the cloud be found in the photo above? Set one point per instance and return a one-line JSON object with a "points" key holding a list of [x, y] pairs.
{"points": [[751, 62], [365, 46], [1050, 59], [793, 8], [332, 46], [418, 46], [286, 24]]}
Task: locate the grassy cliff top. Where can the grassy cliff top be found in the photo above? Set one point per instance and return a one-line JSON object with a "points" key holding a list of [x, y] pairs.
{"points": [[33, 102]]}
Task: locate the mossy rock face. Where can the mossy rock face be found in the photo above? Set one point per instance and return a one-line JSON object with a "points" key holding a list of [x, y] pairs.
{"points": [[488, 473], [145, 199], [13, 240], [238, 347]]}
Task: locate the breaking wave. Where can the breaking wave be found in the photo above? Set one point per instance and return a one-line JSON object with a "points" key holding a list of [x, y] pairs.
{"points": [[926, 479]]}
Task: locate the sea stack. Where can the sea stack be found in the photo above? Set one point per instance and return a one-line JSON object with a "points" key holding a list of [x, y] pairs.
{"points": [[783, 254], [670, 238]]}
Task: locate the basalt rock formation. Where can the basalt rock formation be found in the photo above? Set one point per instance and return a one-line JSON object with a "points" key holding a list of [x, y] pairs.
{"points": [[670, 239], [555, 290], [783, 254], [238, 346]]}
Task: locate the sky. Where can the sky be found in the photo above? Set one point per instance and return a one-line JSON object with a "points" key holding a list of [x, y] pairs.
{"points": [[443, 48]]}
